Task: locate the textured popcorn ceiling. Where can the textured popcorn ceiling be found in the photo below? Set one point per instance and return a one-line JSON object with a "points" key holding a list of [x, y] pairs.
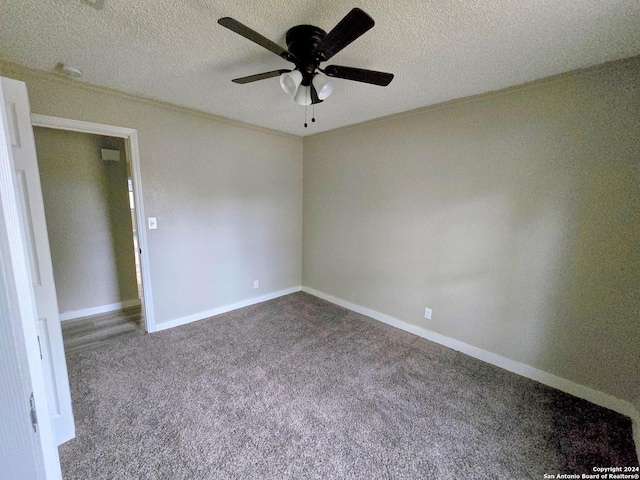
{"points": [[439, 50]]}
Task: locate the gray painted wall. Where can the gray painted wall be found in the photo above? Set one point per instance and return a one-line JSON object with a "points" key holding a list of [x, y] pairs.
{"points": [[88, 219], [514, 216], [228, 198]]}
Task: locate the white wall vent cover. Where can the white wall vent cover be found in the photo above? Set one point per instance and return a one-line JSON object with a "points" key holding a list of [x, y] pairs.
{"points": [[110, 155]]}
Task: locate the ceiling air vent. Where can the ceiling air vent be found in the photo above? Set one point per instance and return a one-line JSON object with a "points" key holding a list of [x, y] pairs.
{"points": [[109, 155], [68, 70], [98, 4]]}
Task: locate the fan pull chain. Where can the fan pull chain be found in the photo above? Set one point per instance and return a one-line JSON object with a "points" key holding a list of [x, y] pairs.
{"points": [[313, 112], [305, 116]]}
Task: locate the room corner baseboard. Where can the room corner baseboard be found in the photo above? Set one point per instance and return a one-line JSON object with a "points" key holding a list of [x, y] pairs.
{"points": [[224, 309], [112, 307], [594, 396]]}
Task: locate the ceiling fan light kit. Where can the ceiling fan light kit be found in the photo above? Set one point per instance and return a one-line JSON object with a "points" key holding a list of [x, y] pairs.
{"points": [[303, 96], [290, 81], [323, 85], [307, 47]]}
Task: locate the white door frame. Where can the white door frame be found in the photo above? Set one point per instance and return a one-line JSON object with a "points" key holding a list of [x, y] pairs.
{"points": [[130, 136]]}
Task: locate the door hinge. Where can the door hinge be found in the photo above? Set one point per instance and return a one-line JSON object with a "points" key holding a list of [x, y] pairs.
{"points": [[34, 415], [40, 347]]}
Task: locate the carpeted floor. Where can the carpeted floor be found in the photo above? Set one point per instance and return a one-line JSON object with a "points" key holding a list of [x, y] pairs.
{"points": [[299, 388]]}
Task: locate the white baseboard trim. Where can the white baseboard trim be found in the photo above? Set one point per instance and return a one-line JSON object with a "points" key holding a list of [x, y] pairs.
{"points": [[224, 309], [594, 396], [112, 307]]}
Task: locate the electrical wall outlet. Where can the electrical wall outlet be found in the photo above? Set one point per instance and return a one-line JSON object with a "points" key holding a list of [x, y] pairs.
{"points": [[256, 284], [427, 313]]}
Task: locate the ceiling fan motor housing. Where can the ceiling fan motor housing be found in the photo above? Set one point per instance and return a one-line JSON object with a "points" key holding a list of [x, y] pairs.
{"points": [[302, 41]]}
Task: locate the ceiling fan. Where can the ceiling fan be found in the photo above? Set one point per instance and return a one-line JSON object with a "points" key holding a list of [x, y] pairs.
{"points": [[307, 47]]}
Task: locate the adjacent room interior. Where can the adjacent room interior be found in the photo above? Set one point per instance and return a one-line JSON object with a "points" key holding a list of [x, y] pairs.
{"points": [[89, 206], [447, 290]]}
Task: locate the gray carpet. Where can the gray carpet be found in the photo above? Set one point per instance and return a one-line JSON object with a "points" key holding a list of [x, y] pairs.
{"points": [[299, 388]]}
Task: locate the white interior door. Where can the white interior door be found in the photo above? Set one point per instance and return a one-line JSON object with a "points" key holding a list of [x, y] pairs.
{"points": [[27, 445], [27, 450], [34, 227]]}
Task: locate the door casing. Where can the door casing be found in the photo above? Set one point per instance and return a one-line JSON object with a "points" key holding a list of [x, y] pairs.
{"points": [[130, 137]]}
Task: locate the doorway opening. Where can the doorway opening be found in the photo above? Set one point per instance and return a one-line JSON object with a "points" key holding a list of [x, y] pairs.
{"points": [[93, 202]]}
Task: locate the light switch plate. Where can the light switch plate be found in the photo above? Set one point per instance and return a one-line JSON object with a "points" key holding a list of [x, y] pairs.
{"points": [[153, 223]]}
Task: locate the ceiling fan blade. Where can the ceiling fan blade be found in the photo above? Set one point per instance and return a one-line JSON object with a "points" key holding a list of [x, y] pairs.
{"points": [[259, 76], [354, 24], [255, 37], [359, 75]]}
